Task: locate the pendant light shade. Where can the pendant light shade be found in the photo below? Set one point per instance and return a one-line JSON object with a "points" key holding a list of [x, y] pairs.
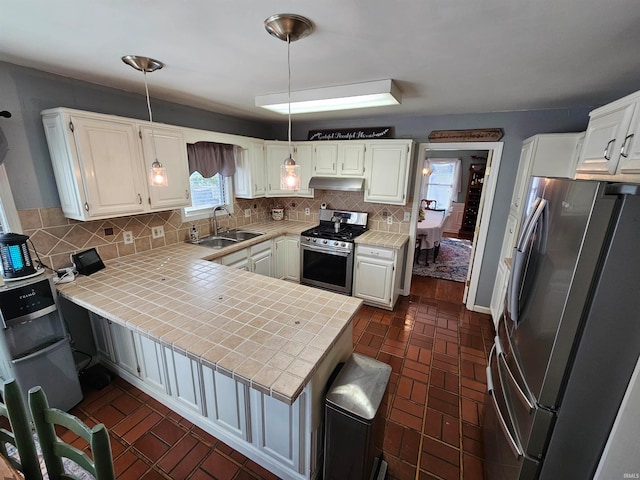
{"points": [[157, 173], [289, 27]]}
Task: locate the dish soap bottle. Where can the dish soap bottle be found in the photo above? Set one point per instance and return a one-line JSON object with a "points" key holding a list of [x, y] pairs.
{"points": [[195, 237]]}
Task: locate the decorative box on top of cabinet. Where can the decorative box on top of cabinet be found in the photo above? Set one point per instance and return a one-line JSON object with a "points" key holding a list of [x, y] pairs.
{"points": [[101, 163], [611, 149]]}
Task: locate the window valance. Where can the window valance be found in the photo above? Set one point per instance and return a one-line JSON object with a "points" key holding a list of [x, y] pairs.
{"points": [[210, 158]]}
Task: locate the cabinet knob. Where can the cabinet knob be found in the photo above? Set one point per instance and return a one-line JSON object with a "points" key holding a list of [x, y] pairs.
{"points": [[86, 206], [186, 192]]}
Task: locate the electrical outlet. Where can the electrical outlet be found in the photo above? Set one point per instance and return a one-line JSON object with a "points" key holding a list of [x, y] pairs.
{"points": [[127, 237], [247, 212], [157, 232], [307, 211], [407, 216], [389, 220]]}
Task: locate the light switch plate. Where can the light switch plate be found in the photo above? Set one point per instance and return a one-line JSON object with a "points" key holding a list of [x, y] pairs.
{"points": [[247, 212], [157, 232], [407, 216]]}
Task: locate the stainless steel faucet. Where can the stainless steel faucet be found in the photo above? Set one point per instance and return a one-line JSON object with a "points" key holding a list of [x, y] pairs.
{"points": [[215, 221]]}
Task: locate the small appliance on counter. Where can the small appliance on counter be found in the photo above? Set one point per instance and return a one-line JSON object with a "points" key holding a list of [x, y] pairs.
{"points": [[16, 261], [34, 347]]}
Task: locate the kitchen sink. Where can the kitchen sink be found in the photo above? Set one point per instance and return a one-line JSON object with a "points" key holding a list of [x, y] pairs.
{"points": [[217, 242], [228, 238]]}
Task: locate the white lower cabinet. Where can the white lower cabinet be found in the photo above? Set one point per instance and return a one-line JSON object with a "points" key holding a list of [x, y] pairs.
{"points": [[225, 403], [287, 257], [184, 378], [151, 362], [285, 439], [377, 275], [277, 428], [260, 258]]}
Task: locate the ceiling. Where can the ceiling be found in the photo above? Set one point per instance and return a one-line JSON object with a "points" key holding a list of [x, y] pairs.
{"points": [[448, 57]]}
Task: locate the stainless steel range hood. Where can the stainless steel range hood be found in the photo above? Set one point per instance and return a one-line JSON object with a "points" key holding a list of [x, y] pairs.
{"points": [[337, 183]]}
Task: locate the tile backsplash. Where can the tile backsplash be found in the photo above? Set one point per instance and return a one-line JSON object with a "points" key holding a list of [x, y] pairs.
{"points": [[55, 237]]}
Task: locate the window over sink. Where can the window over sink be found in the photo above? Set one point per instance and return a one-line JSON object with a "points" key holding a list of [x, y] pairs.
{"points": [[206, 194]]}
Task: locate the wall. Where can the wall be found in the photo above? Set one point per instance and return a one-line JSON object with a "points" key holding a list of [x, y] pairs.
{"points": [[26, 92], [516, 126]]}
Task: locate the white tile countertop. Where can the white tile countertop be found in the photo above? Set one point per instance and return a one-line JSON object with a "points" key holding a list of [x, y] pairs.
{"points": [[264, 332], [383, 239]]}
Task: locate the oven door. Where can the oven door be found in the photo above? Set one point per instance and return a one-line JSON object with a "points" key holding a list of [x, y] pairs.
{"points": [[326, 268]]}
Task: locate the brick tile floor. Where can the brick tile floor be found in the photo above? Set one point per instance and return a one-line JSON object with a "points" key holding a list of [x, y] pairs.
{"points": [[437, 351]]}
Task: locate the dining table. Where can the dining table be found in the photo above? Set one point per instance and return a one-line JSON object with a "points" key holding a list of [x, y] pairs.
{"points": [[429, 232]]}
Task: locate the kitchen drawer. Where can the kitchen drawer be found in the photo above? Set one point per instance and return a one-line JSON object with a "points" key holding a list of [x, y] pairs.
{"points": [[377, 252]]}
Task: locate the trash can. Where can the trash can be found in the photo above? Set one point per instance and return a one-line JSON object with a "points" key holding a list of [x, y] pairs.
{"points": [[354, 420]]}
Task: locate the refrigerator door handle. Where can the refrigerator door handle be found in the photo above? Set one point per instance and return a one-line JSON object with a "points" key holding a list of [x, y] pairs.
{"points": [[513, 445], [514, 285], [524, 398]]}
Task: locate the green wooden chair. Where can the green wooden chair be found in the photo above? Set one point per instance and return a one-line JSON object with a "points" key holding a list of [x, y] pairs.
{"points": [[20, 435], [54, 449]]}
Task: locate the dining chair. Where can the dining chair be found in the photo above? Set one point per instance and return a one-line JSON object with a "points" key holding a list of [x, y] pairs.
{"points": [[54, 449], [20, 435]]}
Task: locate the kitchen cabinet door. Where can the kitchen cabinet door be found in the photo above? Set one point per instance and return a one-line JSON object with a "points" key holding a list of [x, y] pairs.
{"points": [[261, 263], [325, 158], [152, 364], [124, 349], [184, 379], [102, 337], [171, 150], [225, 402], [287, 258], [109, 166], [278, 428], [351, 158], [276, 152], [604, 139], [375, 275], [387, 172], [249, 179], [630, 149]]}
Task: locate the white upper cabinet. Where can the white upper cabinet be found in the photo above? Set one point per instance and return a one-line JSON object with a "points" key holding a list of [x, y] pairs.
{"points": [[343, 158], [171, 151], [276, 152], [249, 179], [611, 149], [100, 167], [387, 171]]}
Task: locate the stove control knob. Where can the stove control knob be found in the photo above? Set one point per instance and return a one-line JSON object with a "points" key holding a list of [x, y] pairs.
{"points": [[343, 244], [307, 239], [325, 241], [335, 244], [314, 240]]}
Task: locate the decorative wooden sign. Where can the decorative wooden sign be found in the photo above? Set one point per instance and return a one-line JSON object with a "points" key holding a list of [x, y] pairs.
{"points": [[350, 134], [477, 135]]}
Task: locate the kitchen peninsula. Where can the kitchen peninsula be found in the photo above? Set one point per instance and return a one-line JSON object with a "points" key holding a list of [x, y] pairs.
{"points": [[243, 356]]}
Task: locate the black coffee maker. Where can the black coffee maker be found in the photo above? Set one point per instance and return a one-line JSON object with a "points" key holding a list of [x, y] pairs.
{"points": [[16, 260]]}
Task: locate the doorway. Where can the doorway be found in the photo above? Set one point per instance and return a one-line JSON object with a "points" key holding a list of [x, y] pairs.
{"points": [[494, 155]]}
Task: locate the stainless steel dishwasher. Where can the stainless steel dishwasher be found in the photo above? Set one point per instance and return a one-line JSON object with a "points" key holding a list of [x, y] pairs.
{"points": [[34, 348], [354, 420]]}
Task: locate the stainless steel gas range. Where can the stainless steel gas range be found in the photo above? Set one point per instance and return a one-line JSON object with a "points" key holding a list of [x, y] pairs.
{"points": [[326, 251]]}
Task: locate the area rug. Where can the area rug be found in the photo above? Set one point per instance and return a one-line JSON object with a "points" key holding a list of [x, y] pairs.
{"points": [[452, 262]]}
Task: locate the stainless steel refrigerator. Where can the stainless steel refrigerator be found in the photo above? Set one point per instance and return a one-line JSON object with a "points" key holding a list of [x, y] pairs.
{"points": [[569, 338]]}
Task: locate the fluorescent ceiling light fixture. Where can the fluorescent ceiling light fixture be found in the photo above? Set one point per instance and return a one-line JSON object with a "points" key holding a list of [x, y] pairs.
{"points": [[340, 97]]}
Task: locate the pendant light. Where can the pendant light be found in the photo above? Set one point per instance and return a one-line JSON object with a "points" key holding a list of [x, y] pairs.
{"points": [[157, 173], [289, 27]]}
